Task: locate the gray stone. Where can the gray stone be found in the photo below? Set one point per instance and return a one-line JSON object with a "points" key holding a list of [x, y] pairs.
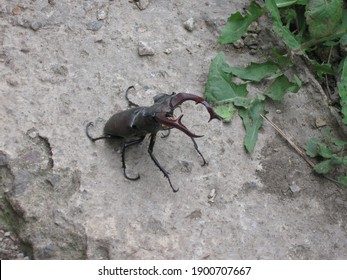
{"points": [[144, 49], [142, 4], [95, 25], [36, 25], [239, 44], [251, 40]]}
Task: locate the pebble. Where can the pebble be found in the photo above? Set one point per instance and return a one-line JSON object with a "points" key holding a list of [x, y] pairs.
{"points": [[212, 195], [294, 187], [32, 133], [101, 15], [20, 256], [7, 234], [12, 82], [278, 111], [168, 51], [17, 10], [189, 24], [253, 27], [95, 25], [196, 214], [251, 40], [320, 123], [144, 49], [239, 44], [36, 25], [142, 4]]}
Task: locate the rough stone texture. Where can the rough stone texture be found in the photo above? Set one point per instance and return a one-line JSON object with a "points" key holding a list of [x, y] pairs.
{"points": [[66, 198]]}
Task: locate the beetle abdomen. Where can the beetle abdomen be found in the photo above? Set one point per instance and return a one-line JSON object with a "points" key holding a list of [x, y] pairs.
{"points": [[121, 124]]}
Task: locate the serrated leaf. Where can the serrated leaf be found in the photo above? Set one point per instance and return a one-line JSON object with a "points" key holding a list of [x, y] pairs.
{"points": [[281, 86], [342, 88], [220, 89], [323, 17], [237, 24], [252, 122], [323, 167], [312, 147], [339, 143], [255, 71], [324, 151], [226, 111]]}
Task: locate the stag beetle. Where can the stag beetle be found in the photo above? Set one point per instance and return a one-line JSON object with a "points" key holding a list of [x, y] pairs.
{"points": [[134, 124]]}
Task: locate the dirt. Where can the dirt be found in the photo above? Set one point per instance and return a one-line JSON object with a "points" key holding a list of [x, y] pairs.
{"points": [[65, 63]]}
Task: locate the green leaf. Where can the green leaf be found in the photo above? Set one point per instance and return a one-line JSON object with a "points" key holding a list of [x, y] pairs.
{"points": [[290, 17], [281, 59], [312, 147], [324, 151], [323, 167], [255, 71], [273, 9], [342, 88], [220, 89], [237, 24], [343, 180], [321, 69], [281, 86], [285, 3], [287, 37], [226, 111], [323, 17], [339, 143], [281, 31], [252, 122]]}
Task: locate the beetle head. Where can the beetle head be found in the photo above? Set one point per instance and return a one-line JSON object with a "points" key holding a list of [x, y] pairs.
{"points": [[166, 104]]}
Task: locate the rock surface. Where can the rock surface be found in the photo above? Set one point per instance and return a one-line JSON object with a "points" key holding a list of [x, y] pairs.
{"points": [[64, 197]]}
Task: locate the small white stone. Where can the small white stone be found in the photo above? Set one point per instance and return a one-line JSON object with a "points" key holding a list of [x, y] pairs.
{"points": [[212, 195], [189, 24], [168, 51], [101, 15]]}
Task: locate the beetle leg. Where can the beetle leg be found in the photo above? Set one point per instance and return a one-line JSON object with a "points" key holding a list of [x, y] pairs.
{"points": [[166, 135], [97, 138], [126, 145], [197, 149], [127, 98], [150, 151]]}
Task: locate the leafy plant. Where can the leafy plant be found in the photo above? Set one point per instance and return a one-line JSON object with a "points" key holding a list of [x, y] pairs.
{"points": [[229, 96], [330, 153], [303, 25]]}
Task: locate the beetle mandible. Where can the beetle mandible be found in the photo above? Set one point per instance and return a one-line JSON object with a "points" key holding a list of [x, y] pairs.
{"points": [[132, 125]]}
